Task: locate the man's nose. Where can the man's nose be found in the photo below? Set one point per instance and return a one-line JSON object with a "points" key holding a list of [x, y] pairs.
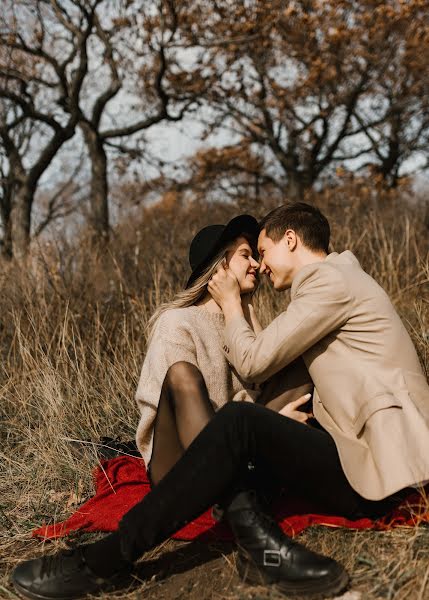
{"points": [[262, 266]]}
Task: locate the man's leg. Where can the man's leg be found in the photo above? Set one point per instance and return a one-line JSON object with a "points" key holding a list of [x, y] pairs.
{"points": [[237, 434], [302, 458]]}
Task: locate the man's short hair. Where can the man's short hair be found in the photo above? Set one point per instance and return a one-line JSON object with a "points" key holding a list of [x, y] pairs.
{"points": [[307, 221]]}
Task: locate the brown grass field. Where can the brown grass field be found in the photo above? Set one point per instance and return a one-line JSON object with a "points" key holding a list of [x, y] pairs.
{"points": [[72, 342]]}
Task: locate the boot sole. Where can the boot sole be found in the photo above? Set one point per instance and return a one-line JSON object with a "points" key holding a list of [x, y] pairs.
{"points": [[25, 593], [252, 575]]}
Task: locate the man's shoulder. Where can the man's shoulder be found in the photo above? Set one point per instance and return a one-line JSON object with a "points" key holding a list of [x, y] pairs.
{"points": [[317, 273], [333, 267], [342, 259]]}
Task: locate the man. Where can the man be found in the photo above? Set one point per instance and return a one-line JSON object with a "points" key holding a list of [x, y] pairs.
{"points": [[371, 395]]}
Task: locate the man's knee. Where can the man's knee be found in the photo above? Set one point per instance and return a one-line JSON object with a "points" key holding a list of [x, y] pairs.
{"points": [[237, 410], [236, 420]]}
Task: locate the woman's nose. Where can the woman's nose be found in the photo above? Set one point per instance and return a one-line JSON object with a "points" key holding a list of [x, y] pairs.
{"points": [[254, 262]]}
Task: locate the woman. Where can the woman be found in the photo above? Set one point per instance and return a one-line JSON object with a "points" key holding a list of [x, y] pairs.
{"points": [[184, 380], [185, 377]]}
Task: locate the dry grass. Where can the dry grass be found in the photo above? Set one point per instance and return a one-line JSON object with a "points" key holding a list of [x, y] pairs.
{"points": [[72, 343]]}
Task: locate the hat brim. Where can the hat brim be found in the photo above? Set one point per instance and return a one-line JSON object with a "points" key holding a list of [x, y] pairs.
{"points": [[242, 224]]}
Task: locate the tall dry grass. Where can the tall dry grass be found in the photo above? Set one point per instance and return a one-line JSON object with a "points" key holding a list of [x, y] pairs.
{"points": [[72, 338]]}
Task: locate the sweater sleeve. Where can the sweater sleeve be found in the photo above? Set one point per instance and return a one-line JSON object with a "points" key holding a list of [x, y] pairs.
{"points": [[171, 342]]}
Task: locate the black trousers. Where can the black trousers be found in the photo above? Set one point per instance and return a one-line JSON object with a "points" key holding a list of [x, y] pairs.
{"points": [[298, 457]]}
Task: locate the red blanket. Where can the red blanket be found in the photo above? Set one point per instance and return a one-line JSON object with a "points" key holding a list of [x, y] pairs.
{"points": [[122, 482]]}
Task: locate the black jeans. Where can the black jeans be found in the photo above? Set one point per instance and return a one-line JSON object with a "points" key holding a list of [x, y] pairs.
{"points": [[301, 458]]}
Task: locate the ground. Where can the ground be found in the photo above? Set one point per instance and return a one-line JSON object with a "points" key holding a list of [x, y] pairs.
{"points": [[390, 565]]}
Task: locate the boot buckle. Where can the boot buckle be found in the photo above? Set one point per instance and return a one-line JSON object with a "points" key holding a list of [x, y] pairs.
{"points": [[272, 558]]}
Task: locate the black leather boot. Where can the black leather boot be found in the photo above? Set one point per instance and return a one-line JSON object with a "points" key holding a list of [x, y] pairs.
{"points": [[267, 556], [64, 576]]}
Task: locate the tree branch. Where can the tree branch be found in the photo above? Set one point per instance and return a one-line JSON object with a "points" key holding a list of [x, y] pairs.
{"points": [[115, 83], [29, 110]]}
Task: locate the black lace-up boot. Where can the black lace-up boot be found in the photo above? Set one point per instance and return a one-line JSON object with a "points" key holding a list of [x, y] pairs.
{"points": [[64, 576], [267, 556]]}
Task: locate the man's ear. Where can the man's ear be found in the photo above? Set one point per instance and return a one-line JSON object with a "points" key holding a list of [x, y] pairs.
{"points": [[290, 239]]}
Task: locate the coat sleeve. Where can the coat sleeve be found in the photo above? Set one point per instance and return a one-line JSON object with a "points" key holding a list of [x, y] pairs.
{"points": [[319, 306]]}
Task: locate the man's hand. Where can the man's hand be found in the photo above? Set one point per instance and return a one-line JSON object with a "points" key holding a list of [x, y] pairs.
{"points": [[292, 411], [249, 312], [224, 289]]}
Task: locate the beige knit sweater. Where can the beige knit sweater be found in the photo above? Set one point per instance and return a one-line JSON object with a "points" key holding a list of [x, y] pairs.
{"points": [[194, 335]]}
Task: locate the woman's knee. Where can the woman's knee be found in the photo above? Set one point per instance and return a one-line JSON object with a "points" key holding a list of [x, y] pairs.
{"points": [[182, 372]]}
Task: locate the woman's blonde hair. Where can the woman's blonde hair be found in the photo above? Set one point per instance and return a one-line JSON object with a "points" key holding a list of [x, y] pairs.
{"points": [[190, 295]]}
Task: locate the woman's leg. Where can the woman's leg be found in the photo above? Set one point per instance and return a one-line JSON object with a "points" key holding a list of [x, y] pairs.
{"points": [[184, 410]]}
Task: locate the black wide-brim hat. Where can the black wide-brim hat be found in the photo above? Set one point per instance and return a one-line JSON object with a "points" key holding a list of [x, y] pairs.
{"points": [[209, 241]]}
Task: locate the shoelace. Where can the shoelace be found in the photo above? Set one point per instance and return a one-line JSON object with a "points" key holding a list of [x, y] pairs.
{"points": [[54, 564], [272, 527]]}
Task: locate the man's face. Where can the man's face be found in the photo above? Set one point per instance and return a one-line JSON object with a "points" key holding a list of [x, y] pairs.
{"points": [[276, 261], [241, 262]]}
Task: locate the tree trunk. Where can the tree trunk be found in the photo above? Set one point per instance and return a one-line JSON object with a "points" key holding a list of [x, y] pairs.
{"points": [[5, 206], [6, 243], [295, 186], [20, 219], [99, 215]]}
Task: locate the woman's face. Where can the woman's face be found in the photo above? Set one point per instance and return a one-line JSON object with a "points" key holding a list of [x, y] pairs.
{"points": [[239, 259]]}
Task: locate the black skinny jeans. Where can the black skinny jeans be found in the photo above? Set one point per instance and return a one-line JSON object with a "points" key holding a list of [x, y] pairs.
{"points": [[301, 458]]}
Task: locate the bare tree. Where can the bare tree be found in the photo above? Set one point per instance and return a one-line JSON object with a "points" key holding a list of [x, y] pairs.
{"points": [[62, 200], [36, 87], [62, 66], [399, 145], [295, 82], [140, 66]]}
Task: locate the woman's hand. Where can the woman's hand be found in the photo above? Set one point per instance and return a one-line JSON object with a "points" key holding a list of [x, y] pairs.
{"points": [[292, 411]]}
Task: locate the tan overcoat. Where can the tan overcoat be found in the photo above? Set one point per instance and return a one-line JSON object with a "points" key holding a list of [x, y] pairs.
{"points": [[371, 394]]}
